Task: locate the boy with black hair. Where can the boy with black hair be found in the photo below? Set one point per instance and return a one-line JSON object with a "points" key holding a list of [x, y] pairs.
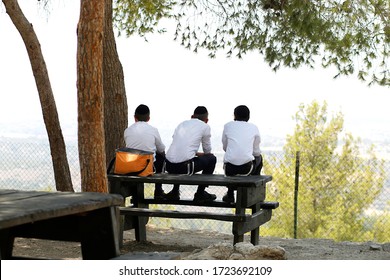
{"points": [[241, 143], [142, 136], [183, 156]]}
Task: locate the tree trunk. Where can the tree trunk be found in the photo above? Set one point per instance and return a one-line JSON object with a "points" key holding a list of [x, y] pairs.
{"points": [[90, 96], [49, 109], [115, 102]]}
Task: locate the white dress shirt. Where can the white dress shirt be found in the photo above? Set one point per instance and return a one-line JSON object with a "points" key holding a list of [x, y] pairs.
{"points": [[241, 142], [187, 139], [142, 136]]}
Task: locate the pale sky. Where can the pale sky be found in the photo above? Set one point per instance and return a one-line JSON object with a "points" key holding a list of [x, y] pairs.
{"points": [[172, 81]]}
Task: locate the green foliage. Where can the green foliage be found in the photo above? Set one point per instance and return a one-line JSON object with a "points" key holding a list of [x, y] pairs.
{"points": [[140, 16], [353, 36], [336, 187], [381, 226]]}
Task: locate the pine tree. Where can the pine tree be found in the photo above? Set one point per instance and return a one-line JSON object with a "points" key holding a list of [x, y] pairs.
{"points": [[337, 184]]}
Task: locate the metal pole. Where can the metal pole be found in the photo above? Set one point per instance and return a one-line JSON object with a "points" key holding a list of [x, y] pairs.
{"points": [[297, 159]]}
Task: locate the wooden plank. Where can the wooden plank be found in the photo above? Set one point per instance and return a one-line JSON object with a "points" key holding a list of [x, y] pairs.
{"points": [[187, 202], [269, 204], [7, 191], [253, 195], [27, 207], [12, 195], [215, 204], [257, 220], [196, 179], [183, 214]]}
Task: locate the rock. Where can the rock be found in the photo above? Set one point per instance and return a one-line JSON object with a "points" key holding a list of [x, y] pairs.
{"points": [[240, 251], [236, 256], [386, 247], [245, 248], [267, 253], [375, 247]]}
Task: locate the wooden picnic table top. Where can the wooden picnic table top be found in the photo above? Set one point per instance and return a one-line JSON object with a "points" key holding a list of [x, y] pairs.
{"points": [[21, 207], [195, 179]]}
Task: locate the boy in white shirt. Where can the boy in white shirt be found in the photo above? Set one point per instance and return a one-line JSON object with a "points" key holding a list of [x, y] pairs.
{"points": [[241, 143], [183, 156], [142, 136]]}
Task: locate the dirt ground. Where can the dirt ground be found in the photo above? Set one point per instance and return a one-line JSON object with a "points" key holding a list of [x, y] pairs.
{"points": [[183, 241]]}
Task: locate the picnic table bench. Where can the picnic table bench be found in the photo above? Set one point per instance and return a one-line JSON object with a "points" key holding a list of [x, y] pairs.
{"points": [[89, 218], [251, 193]]}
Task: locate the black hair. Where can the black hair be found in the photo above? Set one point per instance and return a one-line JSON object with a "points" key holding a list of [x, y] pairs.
{"points": [[200, 113], [142, 113], [241, 113]]}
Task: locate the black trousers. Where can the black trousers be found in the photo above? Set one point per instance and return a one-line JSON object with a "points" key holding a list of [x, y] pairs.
{"points": [[158, 163], [205, 163], [158, 166], [251, 168]]}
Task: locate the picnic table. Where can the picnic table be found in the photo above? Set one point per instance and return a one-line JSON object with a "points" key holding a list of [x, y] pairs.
{"points": [[89, 218], [251, 193]]}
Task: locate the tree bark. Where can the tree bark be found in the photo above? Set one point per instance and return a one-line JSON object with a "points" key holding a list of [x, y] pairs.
{"points": [[49, 108], [115, 101], [90, 96]]}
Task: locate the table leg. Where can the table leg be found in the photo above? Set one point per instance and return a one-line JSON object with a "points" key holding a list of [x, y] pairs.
{"points": [[238, 238], [140, 222], [6, 244], [116, 187], [140, 229], [239, 211], [256, 232], [99, 234]]}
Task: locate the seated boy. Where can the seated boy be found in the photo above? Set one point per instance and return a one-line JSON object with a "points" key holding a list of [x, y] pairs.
{"points": [[241, 143]]}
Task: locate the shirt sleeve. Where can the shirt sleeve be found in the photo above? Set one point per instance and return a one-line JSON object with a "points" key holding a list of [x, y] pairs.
{"points": [[256, 144], [206, 140], [224, 139], [160, 147]]}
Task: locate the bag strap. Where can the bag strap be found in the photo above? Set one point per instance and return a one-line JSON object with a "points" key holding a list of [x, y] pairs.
{"points": [[139, 172], [110, 165]]}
